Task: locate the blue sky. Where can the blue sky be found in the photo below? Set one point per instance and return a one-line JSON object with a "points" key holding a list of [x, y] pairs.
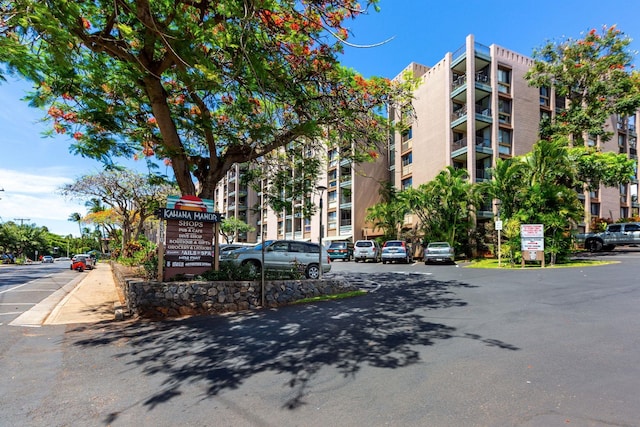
{"points": [[32, 168]]}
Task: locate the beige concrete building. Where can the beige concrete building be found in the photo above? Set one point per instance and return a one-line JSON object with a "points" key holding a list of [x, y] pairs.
{"points": [[474, 107], [471, 108], [349, 190]]}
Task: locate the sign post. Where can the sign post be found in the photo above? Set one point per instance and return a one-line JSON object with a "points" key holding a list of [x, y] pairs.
{"points": [[188, 245], [532, 242]]}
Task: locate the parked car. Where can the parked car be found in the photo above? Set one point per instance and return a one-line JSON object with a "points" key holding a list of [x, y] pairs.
{"points": [[47, 259], [365, 250], [622, 234], [87, 261], [439, 252], [283, 255], [396, 250], [228, 247], [341, 250]]}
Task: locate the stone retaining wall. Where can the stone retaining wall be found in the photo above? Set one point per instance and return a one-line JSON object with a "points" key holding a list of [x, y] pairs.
{"points": [[173, 299]]}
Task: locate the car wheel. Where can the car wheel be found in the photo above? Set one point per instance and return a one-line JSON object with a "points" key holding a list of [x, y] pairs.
{"points": [[384, 261], [356, 260], [312, 271], [595, 245], [254, 267]]}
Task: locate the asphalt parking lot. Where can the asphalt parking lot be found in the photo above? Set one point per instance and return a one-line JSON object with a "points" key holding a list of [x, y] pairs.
{"points": [[437, 345]]}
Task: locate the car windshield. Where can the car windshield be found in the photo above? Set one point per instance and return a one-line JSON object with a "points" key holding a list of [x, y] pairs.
{"points": [[438, 245], [364, 244], [393, 244], [338, 245]]}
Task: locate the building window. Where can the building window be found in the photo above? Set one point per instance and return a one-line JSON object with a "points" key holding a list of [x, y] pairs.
{"points": [[504, 141], [504, 80], [332, 196], [407, 134], [332, 221], [631, 124], [624, 212], [407, 159], [595, 209], [504, 111], [345, 217], [544, 96], [332, 177], [622, 143], [504, 136], [406, 183]]}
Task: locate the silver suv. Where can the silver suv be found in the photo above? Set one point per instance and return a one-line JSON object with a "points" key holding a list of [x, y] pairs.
{"points": [[366, 250], [283, 255]]}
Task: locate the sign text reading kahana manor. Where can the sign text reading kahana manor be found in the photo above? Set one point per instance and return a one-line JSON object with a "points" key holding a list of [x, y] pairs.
{"points": [[190, 215]]}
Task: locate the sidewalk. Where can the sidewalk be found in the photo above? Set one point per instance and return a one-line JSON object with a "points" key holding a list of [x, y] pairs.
{"points": [[93, 300]]}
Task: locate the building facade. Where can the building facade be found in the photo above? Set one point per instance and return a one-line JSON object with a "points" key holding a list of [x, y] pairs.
{"points": [[348, 190], [470, 109], [475, 107]]}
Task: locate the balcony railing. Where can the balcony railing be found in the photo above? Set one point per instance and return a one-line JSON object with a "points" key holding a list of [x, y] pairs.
{"points": [[483, 78], [460, 81], [460, 112]]}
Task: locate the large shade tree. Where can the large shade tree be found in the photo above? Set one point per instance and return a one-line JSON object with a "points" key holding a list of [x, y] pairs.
{"points": [[201, 84]]}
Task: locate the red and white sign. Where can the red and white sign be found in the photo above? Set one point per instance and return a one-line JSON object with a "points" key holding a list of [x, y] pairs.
{"points": [[532, 237]]}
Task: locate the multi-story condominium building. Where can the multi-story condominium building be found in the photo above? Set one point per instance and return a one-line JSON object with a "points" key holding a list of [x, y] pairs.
{"points": [[349, 189], [470, 109], [474, 107]]}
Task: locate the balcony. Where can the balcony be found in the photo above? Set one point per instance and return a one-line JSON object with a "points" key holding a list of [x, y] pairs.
{"points": [[459, 81], [406, 145], [482, 147], [345, 181], [407, 169]]}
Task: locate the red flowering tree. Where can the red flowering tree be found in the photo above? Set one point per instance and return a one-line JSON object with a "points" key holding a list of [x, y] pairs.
{"points": [[200, 84], [595, 74]]}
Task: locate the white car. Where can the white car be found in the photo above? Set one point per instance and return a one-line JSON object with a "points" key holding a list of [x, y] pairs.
{"points": [[365, 250], [439, 251]]}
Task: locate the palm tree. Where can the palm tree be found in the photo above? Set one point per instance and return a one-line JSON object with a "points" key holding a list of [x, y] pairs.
{"points": [[387, 216], [76, 217], [444, 205]]}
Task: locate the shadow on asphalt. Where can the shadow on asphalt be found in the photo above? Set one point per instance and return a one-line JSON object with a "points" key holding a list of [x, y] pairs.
{"points": [[381, 329]]}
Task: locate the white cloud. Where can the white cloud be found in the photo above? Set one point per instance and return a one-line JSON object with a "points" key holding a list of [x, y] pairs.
{"points": [[34, 198]]}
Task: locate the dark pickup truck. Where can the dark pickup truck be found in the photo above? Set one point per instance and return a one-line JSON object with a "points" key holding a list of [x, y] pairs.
{"points": [[621, 234]]}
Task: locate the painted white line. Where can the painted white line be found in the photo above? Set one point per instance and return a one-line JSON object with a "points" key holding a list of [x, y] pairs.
{"points": [[15, 287], [11, 313], [17, 303], [36, 316]]}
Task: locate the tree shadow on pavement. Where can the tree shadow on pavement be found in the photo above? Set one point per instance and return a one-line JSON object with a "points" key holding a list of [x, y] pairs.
{"points": [[382, 329]]}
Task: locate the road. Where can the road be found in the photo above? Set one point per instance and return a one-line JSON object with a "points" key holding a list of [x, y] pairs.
{"points": [[22, 287], [427, 346]]}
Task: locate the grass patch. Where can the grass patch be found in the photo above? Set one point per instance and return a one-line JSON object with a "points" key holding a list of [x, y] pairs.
{"points": [[493, 263], [331, 297]]}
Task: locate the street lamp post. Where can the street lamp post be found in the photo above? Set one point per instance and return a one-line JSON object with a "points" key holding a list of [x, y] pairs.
{"points": [[321, 189]]}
